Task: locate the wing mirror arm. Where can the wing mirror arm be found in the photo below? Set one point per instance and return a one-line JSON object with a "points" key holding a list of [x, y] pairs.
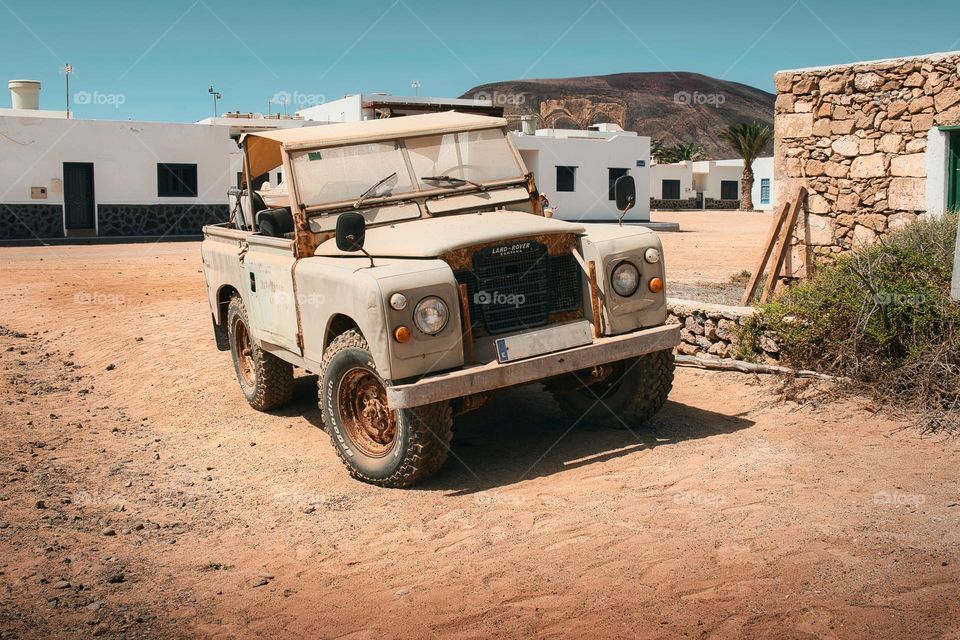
{"points": [[625, 193], [351, 233]]}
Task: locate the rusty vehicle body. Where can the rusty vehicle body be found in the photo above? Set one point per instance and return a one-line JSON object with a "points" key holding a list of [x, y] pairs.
{"points": [[414, 273]]}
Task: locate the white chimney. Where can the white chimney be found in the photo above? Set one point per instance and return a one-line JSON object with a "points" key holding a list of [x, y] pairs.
{"points": [[25, 94], [529, 125]]}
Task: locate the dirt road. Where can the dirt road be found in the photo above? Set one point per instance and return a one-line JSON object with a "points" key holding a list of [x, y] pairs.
{"points": [[141, 497]]}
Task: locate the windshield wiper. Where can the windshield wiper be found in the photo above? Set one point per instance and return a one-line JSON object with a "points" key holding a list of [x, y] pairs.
{"points": [[453, 180], [366, 194]]}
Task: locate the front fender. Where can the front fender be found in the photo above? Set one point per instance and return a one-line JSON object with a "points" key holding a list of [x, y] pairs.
{"points": [[607, 245], [327, 287]]}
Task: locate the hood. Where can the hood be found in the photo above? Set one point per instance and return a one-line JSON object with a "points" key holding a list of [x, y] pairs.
{"points": [[431, 237]]}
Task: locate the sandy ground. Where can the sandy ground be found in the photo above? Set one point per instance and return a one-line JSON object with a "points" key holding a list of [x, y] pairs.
{"points": [[141, 497]]}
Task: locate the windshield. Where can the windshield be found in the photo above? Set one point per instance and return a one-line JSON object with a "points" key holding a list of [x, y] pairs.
{"points": [[475, 156], [343, 174]]}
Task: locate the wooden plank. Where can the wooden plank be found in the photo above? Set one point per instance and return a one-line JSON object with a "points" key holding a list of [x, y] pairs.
{"points": [[775, 227], [783, 245]]}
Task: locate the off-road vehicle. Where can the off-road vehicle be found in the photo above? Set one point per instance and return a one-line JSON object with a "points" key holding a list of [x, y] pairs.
{"points": [[406, 262]]}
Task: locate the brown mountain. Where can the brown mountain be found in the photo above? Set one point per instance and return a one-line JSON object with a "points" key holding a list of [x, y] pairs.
{"points": [[672, 107]]}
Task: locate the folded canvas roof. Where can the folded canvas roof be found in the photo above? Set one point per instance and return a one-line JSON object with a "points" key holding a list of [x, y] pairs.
{"points": [[263, 148]]}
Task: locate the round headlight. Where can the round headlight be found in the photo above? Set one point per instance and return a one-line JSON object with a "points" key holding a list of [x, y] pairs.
{"points": [[625, 279], [652, 255], [431, 315]]}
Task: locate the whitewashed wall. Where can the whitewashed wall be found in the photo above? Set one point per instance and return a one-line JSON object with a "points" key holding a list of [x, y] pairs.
{"points": [[682, 171], [592, 156], [124, 155]]}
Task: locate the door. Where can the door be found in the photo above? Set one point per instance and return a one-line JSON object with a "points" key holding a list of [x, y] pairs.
{"points": [[953, 179], [78, 198]]}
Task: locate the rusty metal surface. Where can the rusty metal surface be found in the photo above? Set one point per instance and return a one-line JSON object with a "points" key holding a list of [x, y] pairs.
{"points": [[494, 375]]}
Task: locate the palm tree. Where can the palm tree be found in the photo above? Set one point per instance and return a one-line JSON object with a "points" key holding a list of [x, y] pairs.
{"points": [[748, 140], [683, 151], [659, 152]]}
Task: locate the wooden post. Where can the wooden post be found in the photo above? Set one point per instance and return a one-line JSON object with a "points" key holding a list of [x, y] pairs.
{"points": [[775, 227], [783, 246]]}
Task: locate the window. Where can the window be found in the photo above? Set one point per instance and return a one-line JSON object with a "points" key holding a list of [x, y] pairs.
{"points": [[729, 189], [764, 190], [176, 180], [566, 178], [614, 175], [671, 190]]}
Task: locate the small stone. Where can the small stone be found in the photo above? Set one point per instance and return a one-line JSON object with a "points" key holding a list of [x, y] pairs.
{"points": [[262, 581], [111, 367], [116, 578], [109, 531], [41, 504], [310, 509], [61, 584]]}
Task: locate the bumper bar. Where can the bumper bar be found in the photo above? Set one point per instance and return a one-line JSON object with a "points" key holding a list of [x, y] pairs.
{"points": [[494, 375]]}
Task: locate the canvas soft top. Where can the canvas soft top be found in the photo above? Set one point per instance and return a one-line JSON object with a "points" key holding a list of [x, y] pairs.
{"points": [[263, 148]]}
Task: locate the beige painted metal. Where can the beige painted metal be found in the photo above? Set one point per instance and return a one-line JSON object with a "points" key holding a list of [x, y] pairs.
{"points": [[431, 237]]}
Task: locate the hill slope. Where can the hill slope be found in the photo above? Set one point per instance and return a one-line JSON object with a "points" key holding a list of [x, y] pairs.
{"points": [[672, 107]]}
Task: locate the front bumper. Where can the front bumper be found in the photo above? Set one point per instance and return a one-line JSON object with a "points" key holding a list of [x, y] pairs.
{"points": [[494, 375]]}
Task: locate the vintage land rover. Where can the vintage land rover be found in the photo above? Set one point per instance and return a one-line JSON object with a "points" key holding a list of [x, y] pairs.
{"points": [[406, 262]]}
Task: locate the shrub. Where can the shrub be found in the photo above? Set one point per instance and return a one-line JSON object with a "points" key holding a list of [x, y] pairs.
{"points": [[881, 316]]}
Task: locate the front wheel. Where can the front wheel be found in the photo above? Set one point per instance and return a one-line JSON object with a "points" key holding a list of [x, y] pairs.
{"points": [[383, 446], [628, 395]]}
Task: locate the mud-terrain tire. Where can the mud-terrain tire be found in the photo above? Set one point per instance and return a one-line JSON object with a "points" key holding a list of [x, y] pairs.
{"points": [[629, 397], [381, 446], [265, 379]]}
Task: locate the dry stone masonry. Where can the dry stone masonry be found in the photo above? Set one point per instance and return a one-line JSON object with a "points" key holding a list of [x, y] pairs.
{"points": [[856, 136], [713, 330]]}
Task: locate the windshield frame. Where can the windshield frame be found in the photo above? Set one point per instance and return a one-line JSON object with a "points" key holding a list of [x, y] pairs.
{"points": [[417, 191]]}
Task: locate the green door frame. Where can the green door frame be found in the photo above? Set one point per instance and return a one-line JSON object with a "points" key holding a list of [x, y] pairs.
{"points": [[953, 172]]}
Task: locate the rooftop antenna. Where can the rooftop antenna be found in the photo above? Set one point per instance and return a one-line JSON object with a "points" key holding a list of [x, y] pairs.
{"points": [[67, 70], [216, 96], [416, 87]]}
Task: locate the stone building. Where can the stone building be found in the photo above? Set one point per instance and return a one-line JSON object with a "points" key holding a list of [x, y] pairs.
{"points": [[875, 143]]}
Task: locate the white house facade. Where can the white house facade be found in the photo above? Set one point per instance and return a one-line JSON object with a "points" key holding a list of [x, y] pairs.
{"points": [[710, 184], [576, 170]]}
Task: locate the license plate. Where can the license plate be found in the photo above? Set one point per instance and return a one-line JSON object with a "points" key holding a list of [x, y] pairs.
{"points": [[541, 341]]}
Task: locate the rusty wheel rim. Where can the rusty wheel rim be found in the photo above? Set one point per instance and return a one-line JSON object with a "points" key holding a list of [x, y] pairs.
{"points": [[370, 425], [244, 352]]}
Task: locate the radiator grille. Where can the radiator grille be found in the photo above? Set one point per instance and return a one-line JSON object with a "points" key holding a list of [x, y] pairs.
{"points": [[517, 286]]}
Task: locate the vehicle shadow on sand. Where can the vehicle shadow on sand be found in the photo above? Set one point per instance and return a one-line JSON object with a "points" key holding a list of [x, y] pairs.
{"points": [[521, 434]]}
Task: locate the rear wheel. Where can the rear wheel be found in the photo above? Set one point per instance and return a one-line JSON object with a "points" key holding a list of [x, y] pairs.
{"points": [[627, 395], [265, 379], [382, 446]]}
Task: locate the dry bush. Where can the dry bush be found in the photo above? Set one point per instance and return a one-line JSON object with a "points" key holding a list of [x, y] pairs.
{"points": [[881, 316]]}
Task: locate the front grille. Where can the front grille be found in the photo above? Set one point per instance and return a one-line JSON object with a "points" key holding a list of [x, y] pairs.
{"points": [[517, 286]]}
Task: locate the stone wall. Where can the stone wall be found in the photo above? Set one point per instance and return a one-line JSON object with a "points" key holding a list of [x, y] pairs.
{"points": [[28, 221], [710, 203], [712, 330], [158, 219], [664, 204], [856, 136]]}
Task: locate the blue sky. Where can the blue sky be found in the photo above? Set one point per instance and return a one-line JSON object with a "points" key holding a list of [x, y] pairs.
{"points": [[155, 60]]}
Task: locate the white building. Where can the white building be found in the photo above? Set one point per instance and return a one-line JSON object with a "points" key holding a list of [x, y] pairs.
{"points": [[80, 178], [671, 186], [710, 184], [576, 169]]}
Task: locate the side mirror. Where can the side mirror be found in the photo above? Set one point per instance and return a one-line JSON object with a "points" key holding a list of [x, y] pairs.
{"points": [[351, 231], [625, 192]]}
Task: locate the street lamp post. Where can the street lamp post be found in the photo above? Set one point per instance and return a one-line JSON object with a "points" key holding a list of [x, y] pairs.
{"points": [[216, 96], [416, 87]]}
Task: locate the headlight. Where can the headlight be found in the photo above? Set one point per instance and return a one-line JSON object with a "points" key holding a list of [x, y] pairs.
{"points": [[625, 279], [431, 315], [652, 256]]}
